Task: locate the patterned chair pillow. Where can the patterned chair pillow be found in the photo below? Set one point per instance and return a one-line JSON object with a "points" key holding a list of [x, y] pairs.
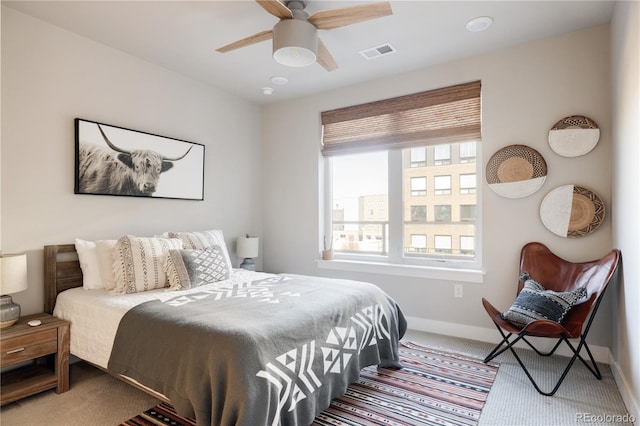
{"points": [[192, 268], [534, 302], [138, 263], [203, 239]]}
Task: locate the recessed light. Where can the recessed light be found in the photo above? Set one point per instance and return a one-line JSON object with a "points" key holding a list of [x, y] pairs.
{"points": [[478, 24], [279, 80], [267, 91]]}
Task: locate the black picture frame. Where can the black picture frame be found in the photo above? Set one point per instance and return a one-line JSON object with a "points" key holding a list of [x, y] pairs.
{"points": [[113, 160]]}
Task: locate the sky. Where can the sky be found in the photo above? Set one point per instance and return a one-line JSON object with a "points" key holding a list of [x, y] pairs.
{"points": [[360, 174], [356, 175]]}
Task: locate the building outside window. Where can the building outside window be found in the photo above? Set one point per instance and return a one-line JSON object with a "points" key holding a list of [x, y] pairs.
{"points": [[361, 181]]}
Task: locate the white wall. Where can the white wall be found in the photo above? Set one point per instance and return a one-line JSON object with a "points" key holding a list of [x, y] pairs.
{"points": [[525, 91], [625, 42], [50, 76]]}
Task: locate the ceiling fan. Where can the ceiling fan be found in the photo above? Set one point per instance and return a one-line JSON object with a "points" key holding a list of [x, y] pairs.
{"points": [[295, 37]]}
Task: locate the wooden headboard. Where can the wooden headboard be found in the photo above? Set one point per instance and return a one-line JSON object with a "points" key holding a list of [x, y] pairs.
{"points": [[61, 272]]}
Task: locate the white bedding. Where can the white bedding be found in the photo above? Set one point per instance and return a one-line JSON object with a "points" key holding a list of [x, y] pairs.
{"points": [[95, 314]]}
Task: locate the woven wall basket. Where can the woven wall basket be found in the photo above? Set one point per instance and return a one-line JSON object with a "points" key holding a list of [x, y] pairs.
{"points": [[574, 136], [572, 211], [516, 171]]}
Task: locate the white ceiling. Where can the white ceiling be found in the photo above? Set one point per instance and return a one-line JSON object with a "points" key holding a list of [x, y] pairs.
{"points": [[183, 35]]}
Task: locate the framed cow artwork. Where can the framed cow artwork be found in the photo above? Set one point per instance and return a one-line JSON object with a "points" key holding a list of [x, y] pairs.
{"points": [[112, 160]]}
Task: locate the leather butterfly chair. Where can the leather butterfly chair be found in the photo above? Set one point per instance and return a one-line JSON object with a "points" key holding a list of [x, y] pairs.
{"points": [[559, 275]]}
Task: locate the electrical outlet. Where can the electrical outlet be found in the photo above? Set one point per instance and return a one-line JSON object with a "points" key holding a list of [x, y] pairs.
{"points": [[457, 290]]}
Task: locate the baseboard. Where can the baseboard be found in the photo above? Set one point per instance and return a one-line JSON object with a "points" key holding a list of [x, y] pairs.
{"points": [[600, 353], [633, 405]]}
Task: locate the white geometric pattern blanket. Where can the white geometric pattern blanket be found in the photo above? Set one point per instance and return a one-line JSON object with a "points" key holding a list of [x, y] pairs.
{"points": [[270, 352]]}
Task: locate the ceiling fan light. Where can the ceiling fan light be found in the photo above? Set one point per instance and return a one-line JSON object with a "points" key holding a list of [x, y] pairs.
{"points": [[295, 43]]}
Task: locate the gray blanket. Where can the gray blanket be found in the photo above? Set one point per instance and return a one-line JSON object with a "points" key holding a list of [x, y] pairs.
{"points": [[269, 352]]}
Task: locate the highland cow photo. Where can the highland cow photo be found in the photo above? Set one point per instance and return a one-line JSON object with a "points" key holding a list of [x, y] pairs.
{"points": [[112, 160]]}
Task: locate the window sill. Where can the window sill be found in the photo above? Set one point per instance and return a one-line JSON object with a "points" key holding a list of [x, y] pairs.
{"points": [[430, 272]]}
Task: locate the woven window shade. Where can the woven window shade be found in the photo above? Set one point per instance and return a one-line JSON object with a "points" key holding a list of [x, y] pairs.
{"points": [[446, 115]]}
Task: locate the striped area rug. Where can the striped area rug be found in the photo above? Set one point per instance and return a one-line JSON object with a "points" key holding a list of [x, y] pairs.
{"points": [[160, 415], [434, 387]]}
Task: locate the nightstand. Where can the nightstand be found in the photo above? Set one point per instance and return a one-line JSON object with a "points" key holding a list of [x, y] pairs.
{"points": [[46, 346]]}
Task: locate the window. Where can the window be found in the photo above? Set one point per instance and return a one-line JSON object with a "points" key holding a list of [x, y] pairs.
{"points": [[381, 152], [467, 244], [442, 243], [442, 155], [418, 157], [467, 152], [442, 213], [468, 212], [418, 213], [362, 181], [419, 185], [468, 184], [418, 243], [442, 185], [359, 182]]}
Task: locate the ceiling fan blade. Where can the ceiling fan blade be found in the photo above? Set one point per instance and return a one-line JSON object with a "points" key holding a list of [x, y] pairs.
{"points": [[275, 8], [324, 57], [335, 18], [247, 41]]}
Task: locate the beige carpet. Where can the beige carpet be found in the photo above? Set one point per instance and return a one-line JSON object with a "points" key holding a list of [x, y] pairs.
{"points": [[98, 399], [95, 399]]}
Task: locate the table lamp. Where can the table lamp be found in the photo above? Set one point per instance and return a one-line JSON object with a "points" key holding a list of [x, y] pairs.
{"points": [[13, 279], [247, 248]]}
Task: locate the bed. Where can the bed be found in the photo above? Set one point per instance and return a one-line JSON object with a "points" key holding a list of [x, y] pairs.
{"points": [[253, 349]]}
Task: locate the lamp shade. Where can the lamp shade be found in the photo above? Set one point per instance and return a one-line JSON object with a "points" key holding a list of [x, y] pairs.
{"points": [[13, 273], [247, 247], [295, 43]]}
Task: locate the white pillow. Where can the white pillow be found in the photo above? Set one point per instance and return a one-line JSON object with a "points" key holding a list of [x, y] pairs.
{"points": [[88, 257], [138, 263], [202, 239], [105, 252]]}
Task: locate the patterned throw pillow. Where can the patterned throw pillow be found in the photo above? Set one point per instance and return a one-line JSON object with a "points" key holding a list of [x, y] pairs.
{"points": [[192, 268], [138, 263], [203, 239], [534, 302]]}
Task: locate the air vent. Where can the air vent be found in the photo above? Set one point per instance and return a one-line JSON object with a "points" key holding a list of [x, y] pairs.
{"points": [[378, 51]]}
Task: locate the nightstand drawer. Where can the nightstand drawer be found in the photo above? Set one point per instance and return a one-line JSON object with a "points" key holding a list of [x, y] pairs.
{"points": [[30, 346]]}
